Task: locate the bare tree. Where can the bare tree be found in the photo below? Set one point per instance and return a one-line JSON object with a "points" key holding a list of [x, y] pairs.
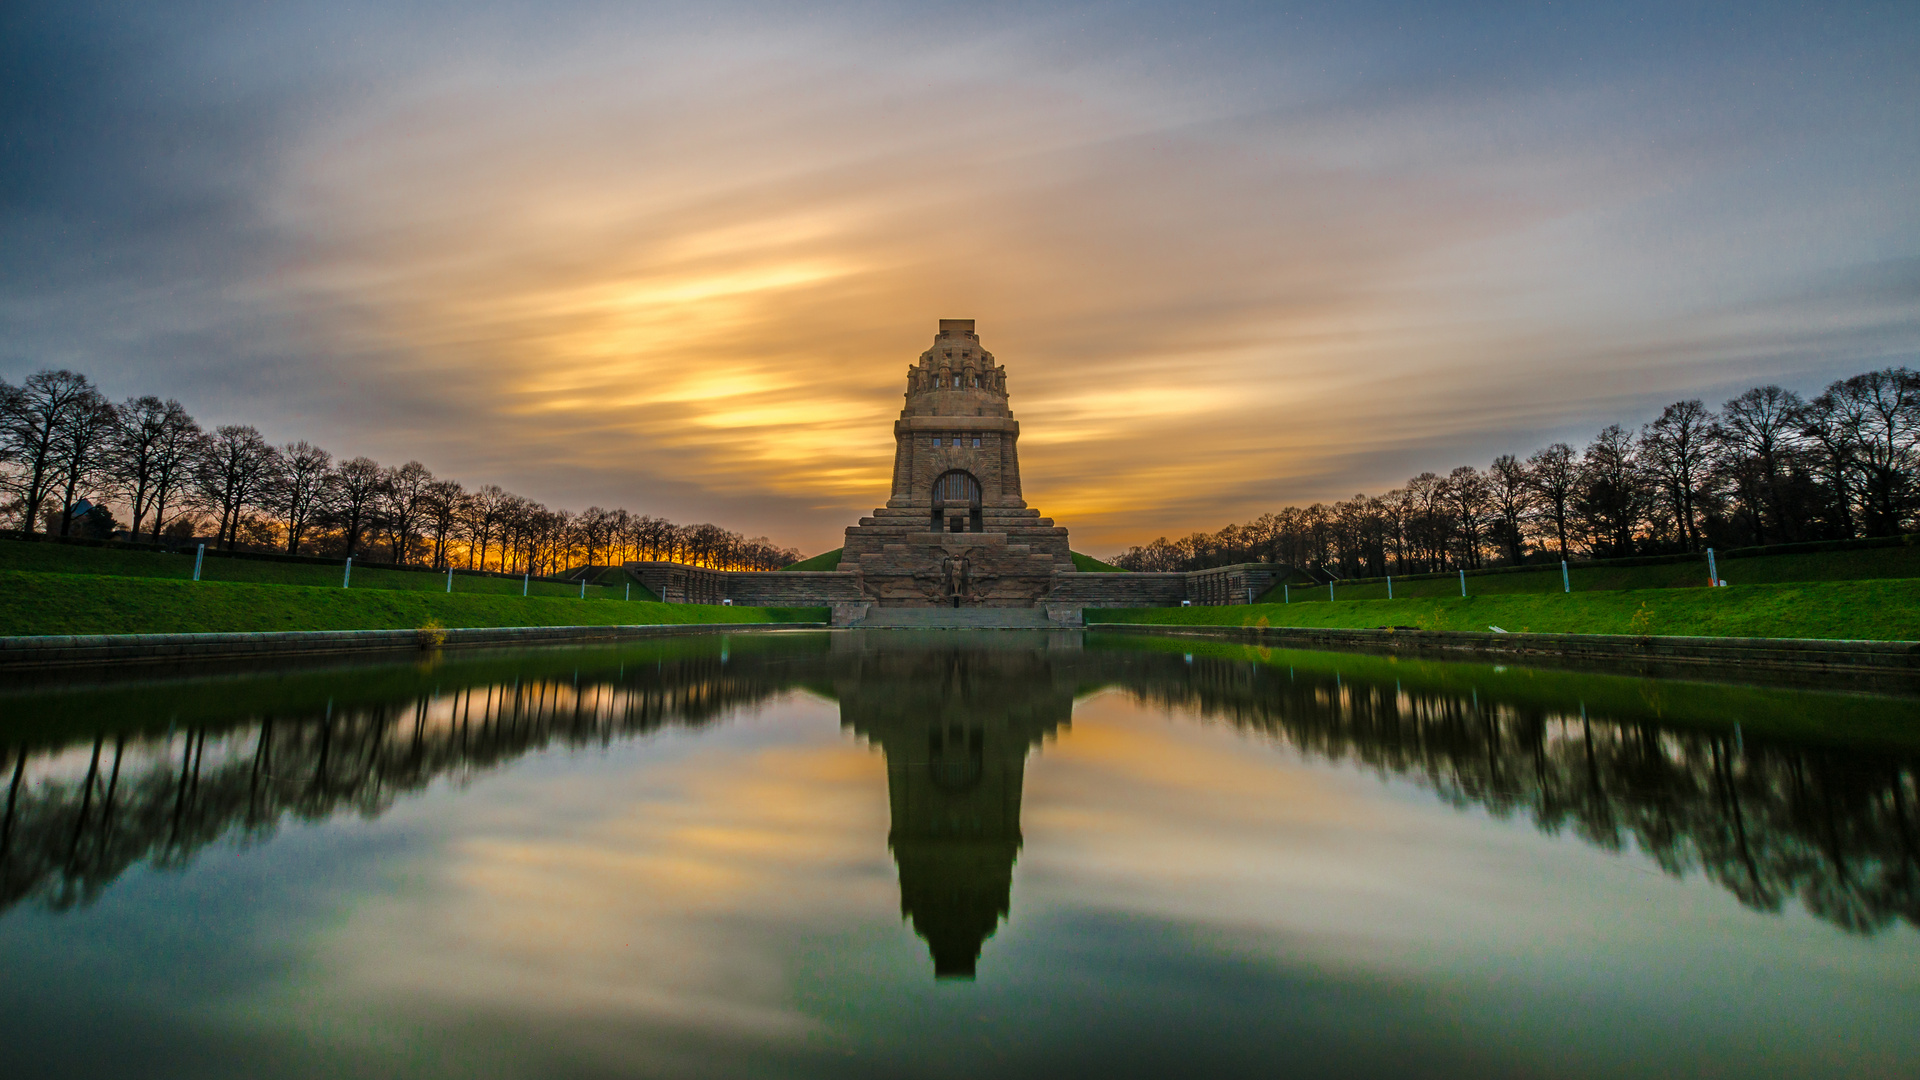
{"points": [[1467, 495], [356, 494], [1612, 497], [445, 505], [1554, 475], [30, 428], [596, 525], [1756, 437], [80, 450], [145, 452], [305, 482], [236, 471], [1875, 417], [1509, 486], [1676, 450], [180, 447], [403, 507], [483, 518], [1427, 522]]}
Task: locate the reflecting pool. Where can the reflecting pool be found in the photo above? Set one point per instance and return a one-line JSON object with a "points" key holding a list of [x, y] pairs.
{"points": [[955, 854]]}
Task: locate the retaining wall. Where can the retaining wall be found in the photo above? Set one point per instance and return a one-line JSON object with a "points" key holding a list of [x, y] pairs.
{"points": [[1800, 654], [21, 653]]}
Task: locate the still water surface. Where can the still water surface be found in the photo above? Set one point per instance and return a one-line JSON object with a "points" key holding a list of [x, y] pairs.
{"points": [[945, 855]]}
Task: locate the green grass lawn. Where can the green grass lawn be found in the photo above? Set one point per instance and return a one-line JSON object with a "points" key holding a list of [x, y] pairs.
{"points": [[136, 562], [1087, 564], [826, 560], [1856, 565], [67, 603], [1885, 610]]}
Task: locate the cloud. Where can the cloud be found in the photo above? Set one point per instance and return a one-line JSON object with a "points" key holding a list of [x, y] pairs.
{"points": [[1231, 262]]}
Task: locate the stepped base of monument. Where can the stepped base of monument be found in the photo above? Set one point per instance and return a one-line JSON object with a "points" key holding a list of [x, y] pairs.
{"points": [[950, 618]]}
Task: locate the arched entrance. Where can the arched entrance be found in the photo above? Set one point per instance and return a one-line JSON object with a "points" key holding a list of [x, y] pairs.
{"points": [[954, 490]]}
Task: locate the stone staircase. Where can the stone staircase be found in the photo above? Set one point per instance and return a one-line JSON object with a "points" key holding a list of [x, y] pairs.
{"points": [[963, 618]]}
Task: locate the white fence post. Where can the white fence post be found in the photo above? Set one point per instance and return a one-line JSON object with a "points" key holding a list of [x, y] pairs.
{"points": [[197, 557], [1463, 581], [526, 582], [1286, 593], [1329, 588], [1713, 570], [1389, 586], [629, 590], [583, 587], [1566, 582], [449, 579], [346, 578]]}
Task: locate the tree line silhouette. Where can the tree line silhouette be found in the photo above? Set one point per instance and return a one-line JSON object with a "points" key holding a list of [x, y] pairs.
{"points": [[1769, 467], [67, 454]]}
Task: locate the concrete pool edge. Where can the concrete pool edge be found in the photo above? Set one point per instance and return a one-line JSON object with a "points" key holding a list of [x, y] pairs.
{"points": [[1796, 654], [87, 650]]}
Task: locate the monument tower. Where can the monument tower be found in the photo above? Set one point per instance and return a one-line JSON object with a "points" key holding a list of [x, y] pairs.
{"points": [[956, 531]]}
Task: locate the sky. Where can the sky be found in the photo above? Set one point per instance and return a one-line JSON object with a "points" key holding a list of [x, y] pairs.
{"points": [[678, 258]]}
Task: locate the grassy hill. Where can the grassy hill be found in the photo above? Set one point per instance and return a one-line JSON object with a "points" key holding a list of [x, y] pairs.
{"points": [[826, 560]]}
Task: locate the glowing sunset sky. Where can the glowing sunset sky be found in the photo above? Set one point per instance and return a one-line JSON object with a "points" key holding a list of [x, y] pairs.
{"points": [[1232, 258]]}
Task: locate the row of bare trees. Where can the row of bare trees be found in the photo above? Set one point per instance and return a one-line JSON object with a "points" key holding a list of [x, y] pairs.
{"points": [[67, 453], [1769, 467]]}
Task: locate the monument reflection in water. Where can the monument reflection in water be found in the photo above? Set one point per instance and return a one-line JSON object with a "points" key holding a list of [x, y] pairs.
{"points": [[956, 727]]}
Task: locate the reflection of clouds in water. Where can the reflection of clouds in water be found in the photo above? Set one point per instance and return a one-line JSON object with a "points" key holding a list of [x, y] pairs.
{"points": [[1197, 822], [1271, 856], [678, 901]]}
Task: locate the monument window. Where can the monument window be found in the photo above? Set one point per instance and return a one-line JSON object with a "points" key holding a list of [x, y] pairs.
{"points": [[976, 444]]}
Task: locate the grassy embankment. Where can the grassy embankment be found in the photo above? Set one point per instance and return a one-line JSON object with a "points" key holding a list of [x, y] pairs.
{"points": [[1861, 593], [1886, 610], [610, 584], [1858, 564], [60, 589], [826, 560]]}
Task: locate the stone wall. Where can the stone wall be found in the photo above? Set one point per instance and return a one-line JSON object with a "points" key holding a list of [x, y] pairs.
{"points": [[679, 584], [1242, 583], [1899, 659], [1118, 590], [1001, 575]]}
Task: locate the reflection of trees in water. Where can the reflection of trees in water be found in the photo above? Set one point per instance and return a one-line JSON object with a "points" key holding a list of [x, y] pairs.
{"points": [[64, 838], [1838, 829]]}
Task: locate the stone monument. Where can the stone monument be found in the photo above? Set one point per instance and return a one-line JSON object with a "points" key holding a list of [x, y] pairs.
{"points": [[956, 532]]}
